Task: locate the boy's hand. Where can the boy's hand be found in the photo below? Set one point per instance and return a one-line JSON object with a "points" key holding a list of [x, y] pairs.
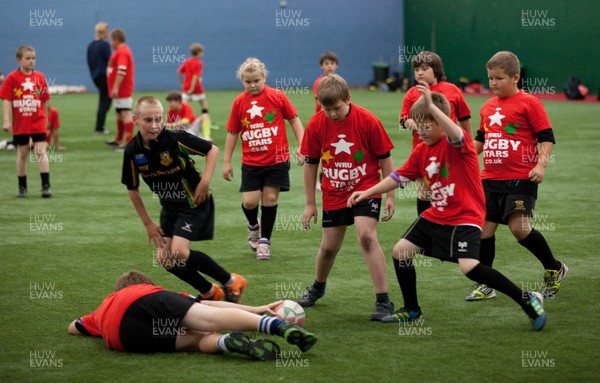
{"points": [[266, 309], [202, 192], [6, 126], [309, 212], [388, 210], [155, 234], [227, 172], [356, 197], [537, 174], [299, 158], [423, 87]]}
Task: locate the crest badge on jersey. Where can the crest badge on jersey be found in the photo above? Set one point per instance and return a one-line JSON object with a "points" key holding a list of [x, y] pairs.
{"points": [[165, 158]]}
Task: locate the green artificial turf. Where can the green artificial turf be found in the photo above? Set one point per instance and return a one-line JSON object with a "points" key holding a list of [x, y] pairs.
{"points": [[61, 256]]}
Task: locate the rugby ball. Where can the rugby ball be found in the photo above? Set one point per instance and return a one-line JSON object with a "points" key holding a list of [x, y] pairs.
{"points": [[290, 311]]}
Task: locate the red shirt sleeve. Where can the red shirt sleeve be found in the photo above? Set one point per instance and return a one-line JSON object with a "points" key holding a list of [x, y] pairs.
{"points": [[536, 115]]}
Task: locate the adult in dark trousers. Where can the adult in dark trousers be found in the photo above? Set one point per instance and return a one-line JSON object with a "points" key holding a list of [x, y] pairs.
{"points": [[98, 53]]}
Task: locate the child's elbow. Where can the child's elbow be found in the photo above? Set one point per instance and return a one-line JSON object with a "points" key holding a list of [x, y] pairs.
{"points": [[72, 329]]}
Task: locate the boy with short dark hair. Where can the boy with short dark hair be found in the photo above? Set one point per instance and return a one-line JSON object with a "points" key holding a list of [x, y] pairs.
{"points": [[25, 93], [428, 67], [329, 63], [162, 158], [352, 147], [181, 115], [512, 126], [450, 229]]}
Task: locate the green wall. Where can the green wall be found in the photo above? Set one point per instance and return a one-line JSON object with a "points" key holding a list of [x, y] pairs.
{"points": [[557, 39]]}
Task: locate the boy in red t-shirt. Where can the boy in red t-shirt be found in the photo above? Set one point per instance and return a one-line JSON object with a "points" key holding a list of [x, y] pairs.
{"points": [[428, 67], [52, 129], [144, 318], [450, 229], [352, 147], [120, 80], [190, 75], [25, 92], [512, 126], [329, 64], [259, 115], [181, 115]]}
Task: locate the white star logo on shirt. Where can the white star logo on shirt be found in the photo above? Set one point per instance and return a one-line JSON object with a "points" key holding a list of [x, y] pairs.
{"points": [[28, 85], [496, 118], [255, 110], [342, 145], [433, 167]]}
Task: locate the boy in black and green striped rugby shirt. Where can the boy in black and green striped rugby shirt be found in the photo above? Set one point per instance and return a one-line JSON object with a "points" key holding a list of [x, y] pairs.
{"points": [[162, 158]]}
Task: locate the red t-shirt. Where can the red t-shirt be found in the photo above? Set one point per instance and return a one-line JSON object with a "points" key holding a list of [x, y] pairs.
{"points": [[186, 112], [348, 150], [121, 61], [190, 68], [27, 94], [106, 320], [459, 110], [53, 121], [510, 125], [261, 121], [452, 175], [315, 87]]}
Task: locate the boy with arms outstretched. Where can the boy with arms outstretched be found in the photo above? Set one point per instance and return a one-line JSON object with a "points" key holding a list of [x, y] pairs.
{"points": [[162, 158], [512, 126], [352, 147], [451, 228]]}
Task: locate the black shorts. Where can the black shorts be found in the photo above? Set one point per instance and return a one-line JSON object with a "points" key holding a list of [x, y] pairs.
{"points": [[345, 216], [153, 322], [23, 139], [498, 206], [445, 242], [194, 224], [256, 177]]}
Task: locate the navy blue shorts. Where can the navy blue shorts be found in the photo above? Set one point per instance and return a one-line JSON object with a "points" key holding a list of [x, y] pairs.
{"points": [[445, 242], [257, 177], [153, 322], [345, 216], [193, 224]]}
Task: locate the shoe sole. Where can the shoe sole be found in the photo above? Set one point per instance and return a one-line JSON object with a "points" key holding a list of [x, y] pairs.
{"points": [[479, 299], [302, 339], [261, 349]]}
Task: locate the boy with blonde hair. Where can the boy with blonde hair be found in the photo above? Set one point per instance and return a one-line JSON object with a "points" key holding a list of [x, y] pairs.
{"points": [[259, 114], [25, 94], [162, 158]]}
